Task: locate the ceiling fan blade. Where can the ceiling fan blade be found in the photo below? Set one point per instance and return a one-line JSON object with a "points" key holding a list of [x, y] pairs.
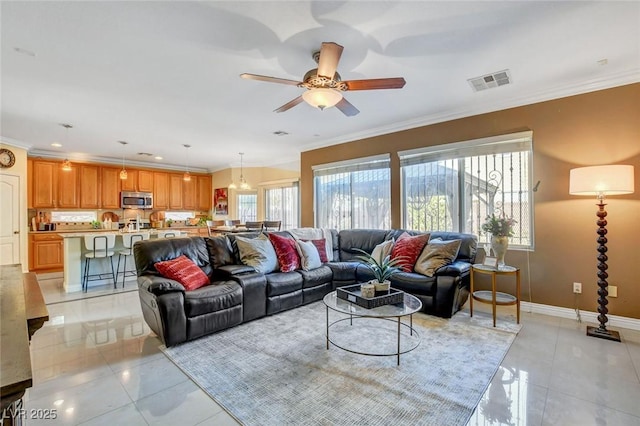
{"points": [[376, 83], [347, 108], [269, 79], [329, 57], [289, 104]]}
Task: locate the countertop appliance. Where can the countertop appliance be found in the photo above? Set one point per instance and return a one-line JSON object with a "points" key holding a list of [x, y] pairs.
{"points": [[136, 200]]}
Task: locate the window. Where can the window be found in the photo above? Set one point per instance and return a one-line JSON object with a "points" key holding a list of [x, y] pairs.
{"points": [[248, 207], [454, 187], [281, 203], [353, 194], [178, 215]]}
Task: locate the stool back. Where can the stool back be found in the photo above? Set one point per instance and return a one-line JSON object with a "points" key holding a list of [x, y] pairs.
{"points": [[100, 244]]}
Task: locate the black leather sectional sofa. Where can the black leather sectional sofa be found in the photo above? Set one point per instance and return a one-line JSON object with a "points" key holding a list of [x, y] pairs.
{"points": [[239, 294]]}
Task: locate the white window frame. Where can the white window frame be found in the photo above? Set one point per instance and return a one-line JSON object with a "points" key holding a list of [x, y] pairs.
{"points": [[350, 167], [459, 151], [239, 195], [282, 185]]}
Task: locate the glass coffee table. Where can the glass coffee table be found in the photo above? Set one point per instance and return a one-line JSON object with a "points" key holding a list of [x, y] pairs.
{"points": [[394, 313]]}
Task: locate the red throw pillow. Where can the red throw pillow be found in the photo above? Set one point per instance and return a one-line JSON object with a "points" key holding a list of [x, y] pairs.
{"points": [[321, 245], [183, 270], [286, 251], [409, 248]]}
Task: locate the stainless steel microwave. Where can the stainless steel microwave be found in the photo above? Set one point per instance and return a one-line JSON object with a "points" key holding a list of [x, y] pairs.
{"points": [[136, 200]]}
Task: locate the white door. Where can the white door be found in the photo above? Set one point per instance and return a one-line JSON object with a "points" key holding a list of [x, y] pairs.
{"points": [[9, 220]]}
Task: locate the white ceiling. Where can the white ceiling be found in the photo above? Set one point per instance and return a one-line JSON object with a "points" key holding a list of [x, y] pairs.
{"points": [[163, 74]]}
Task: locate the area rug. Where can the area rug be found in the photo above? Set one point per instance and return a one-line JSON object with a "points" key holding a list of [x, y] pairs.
{"points": [[277, 370]]}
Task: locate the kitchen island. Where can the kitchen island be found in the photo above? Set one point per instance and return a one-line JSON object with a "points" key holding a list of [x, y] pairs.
{"points": [[74, 259]]}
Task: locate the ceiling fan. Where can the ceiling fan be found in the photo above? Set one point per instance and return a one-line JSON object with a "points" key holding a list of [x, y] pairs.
{"points": [[324, 86]]}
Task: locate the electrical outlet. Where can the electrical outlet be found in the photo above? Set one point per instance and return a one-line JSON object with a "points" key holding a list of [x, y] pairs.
{"points": [[613, 290], [577, 288]]}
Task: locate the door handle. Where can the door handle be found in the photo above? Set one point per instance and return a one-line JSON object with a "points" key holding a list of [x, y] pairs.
{"points": [[16, 232]]}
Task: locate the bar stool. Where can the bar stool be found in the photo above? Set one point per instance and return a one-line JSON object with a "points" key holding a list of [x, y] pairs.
{"points": [[127, 241], [167, 234], [99, 247]]}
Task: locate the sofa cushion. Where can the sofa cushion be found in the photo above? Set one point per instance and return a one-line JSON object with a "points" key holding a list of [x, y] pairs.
{"points": [[148, 252], [212, 298], [220, 252], [435, 255], [363, 239], [382, 250], [413, 283], [468, 245], [309, 256], [258, 253], [409, 248], [316, 277], [183, 270], [283, 282], [286, 251], [344, 271], [321, 246]]}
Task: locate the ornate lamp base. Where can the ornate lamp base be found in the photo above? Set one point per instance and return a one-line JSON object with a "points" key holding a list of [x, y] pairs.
{"points": [[603, 334]]}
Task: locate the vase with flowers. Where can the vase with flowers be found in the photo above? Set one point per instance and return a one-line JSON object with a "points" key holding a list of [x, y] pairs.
{"points": [[500, 228]]}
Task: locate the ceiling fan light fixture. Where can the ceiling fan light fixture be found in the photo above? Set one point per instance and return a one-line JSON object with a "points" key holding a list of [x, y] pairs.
{"points": [[322, 97]]}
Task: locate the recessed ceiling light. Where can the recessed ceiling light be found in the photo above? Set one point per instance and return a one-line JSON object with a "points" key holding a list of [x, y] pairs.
{"points": [[24, 51], [157, 157], [56, 144]]}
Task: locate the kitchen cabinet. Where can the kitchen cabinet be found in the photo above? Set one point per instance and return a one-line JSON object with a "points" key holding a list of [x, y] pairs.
{"points": [[44, 183], [160, 190], [145, 181], [89, 186], [68, 190], [45, 252], [110, 187], [175, 191], [204, 193], [30, 183], [190, 197], [131, 182]]}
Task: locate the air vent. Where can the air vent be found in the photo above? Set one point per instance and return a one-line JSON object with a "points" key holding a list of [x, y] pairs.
{"points": [[496, 79], [280, 133], [145, 154]]}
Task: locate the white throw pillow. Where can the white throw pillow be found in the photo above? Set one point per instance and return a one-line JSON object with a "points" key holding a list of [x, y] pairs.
{"points": [[309, 256], [382, 250], [258, 253]]}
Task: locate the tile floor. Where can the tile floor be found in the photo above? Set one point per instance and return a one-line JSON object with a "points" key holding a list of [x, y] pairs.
{"points": [[96, 362]]}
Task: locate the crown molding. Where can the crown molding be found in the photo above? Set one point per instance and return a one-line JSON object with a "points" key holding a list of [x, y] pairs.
{"points": [[613, 80], [108, 160], [16, 143]]}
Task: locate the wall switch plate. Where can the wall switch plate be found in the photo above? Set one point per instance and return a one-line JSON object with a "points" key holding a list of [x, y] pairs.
{"points": [[613, 290], [577, 288]]}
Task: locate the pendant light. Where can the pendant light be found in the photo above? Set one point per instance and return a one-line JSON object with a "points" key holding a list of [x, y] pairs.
{"points": [[66, 164], [123, 172], [243, 183], [187, 177]]}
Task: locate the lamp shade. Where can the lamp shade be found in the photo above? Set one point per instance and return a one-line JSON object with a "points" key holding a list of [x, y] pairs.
{"points": [[601, 180], [322, 98]]}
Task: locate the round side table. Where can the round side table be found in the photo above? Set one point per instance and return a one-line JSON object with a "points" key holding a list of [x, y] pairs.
{"points": [[494, 297]]}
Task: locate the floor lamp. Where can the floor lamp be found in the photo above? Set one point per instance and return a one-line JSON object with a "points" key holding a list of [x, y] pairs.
{"points": [[602, 181]]}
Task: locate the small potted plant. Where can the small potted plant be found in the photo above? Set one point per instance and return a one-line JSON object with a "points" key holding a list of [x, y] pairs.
{"points": [[500, 228], [382, 270], [95, 224], [169, 222]]}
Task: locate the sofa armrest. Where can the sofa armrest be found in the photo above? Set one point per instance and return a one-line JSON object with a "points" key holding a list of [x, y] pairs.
{"points": [[227, 271], [254, 295], [159, 285], [457, 268]]}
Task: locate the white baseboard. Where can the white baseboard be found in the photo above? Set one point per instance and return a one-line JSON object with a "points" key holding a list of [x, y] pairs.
{"points": [[556, 311]]}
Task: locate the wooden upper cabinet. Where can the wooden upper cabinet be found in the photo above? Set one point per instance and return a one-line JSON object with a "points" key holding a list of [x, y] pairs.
{"points": [[68, 188], [190, 197], [89, 186], [44, 183], [175, 191], [110, 187], [131, 182], [160, 190], [145, 181], [204, 193]]}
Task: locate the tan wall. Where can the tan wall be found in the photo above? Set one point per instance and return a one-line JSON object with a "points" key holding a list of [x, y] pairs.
{"points": [[596, 128], [255, 177], [20, 169]]}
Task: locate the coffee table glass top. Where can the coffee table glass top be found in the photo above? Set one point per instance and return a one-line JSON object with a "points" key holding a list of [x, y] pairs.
{"points": [[410, 305]]}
